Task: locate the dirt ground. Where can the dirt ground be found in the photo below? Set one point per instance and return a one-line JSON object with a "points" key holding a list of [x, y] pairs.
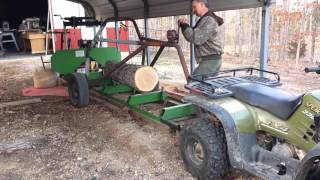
{"points": [[93, 143]]}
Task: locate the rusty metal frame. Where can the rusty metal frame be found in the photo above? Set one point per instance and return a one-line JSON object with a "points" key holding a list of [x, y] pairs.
{"points": [[143, 42]]}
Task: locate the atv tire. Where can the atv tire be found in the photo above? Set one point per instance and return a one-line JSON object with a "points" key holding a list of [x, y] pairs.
{"points": [[78, 89], [314, 174], [204, 150]]}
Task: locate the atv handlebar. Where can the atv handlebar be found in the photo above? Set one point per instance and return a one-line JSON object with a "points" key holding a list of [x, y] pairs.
{"points": [[312, 69]]}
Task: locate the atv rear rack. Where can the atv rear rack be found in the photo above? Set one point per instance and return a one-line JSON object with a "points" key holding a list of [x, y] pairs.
{"points": [[215, 85]]}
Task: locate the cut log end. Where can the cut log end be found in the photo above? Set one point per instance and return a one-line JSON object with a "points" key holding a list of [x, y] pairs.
{"points": [[146, 79], [142, 78]]}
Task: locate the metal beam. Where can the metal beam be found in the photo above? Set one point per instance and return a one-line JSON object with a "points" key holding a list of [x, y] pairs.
{"points": [[192, 49], [264, 49], [125, 60], [115, 8], [130, 42], [117, 34], [146, 8], [116, 15], [50, 23], [146, 32], [146, 28], [156, 57]]}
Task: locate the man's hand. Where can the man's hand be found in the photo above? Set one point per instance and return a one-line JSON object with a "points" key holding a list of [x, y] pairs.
{"points": [[183, 21]]}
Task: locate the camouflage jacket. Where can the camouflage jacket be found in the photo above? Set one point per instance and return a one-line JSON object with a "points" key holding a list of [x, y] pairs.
{"points": [[205, 36]]}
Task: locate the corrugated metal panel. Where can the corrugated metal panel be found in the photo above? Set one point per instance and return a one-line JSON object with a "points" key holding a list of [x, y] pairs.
{"points": [[135, 9], [222, 5]]}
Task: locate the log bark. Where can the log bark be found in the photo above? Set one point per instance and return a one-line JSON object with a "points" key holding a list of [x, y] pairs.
{"points": [[142, 78]]}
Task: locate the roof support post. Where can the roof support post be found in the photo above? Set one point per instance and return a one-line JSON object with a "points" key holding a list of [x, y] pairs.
{"points": [[117, 34], [50, 23], [116, 15], [192, 49], [146, 32], [146, 28], [264, 48]]}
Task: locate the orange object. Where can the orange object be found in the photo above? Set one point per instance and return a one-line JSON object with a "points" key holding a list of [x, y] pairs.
{"points": [[34, 92]]}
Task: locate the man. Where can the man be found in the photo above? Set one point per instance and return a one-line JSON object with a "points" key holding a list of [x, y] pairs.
{"points": [[206, 38]]}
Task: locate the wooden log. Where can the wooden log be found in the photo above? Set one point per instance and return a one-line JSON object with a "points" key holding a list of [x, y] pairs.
{"points": [[142, 78], [43, 79], [22, 144], [20, 103]]}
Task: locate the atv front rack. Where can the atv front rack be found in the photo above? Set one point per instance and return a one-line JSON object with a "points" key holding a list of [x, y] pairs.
{"points": [[215, 85]]}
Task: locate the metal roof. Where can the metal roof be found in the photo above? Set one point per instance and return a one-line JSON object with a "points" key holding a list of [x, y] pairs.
{"points": [[156, 8]]}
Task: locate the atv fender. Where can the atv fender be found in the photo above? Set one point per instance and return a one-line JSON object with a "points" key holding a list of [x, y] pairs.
{"points": [[307, 163], [237, 144]]}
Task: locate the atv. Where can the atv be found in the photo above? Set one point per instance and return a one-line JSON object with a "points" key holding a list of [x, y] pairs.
{"points": [[251, 125]]}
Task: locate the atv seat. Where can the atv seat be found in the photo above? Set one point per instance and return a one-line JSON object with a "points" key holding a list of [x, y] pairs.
{"points": [[275, 101]]}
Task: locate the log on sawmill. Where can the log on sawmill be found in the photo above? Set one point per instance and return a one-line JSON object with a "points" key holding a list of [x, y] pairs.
{"points": [[142, 78]]}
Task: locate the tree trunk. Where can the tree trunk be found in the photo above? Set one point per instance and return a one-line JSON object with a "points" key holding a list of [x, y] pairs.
{"points": [[298, 52], [240, 34], [259, 31], [251, 30], [142, 78], [285, 36], [255, 33], [313, 29], [304, 28], [313, 47], [236, 38]]}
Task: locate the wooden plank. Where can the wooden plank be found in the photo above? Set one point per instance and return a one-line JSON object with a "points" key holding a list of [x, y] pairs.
{"points": [[20, 103], [175, 93]]}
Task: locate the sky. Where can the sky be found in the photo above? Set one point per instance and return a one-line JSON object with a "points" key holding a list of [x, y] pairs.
{"points": [[63, 7]]}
